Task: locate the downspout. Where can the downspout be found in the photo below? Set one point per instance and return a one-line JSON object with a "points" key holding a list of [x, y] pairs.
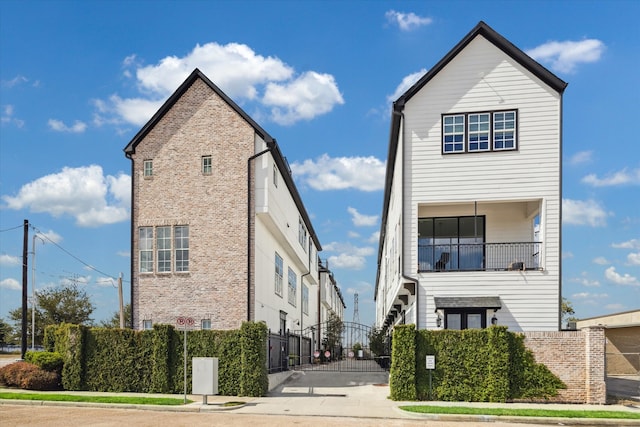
{"points": [[403, 275], [128, 155], [249, 228], [308, 273]]}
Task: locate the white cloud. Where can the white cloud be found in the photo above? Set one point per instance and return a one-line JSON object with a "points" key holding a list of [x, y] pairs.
{"points": [[348, 256], [59, 126], [12, 284], [360, 220], [579, 212], [238, 71], [585, 281], [84, 193], [405, 84], [620, 279], [16, 81], [587, 295], [617, 178], [347, 262], [614, 307], [565, 56], [633, 258], [7, 117], [310, 95], [567, 255], [75, 280], [601, 261], [341, 173], [50, 236], [374, 238], [10, 260], [407, 21], [629, 244], [106, 282], [581, 157], [124, 254]]}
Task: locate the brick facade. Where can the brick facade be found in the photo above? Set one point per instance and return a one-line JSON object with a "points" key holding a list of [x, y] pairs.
{"points": [[577, 358], [200, 123]]}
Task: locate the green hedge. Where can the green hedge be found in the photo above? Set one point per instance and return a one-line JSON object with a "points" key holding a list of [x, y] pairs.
{"points": [[484, 365], [119, 360]]}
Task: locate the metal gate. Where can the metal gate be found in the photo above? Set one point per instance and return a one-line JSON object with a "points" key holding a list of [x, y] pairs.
{"points": [[338, 347]]}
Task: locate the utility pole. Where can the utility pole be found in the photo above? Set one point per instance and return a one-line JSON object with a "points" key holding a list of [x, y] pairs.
{"points": [[121, 302], [25, 270]]}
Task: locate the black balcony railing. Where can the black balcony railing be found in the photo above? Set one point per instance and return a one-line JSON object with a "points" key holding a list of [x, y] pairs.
{"points": [[479, 256]]}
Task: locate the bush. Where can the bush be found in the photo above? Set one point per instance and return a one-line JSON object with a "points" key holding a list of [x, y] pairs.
{"points": [[48, 361], [28, 376]]}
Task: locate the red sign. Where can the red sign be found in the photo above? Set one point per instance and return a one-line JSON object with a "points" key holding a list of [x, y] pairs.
{"points": [[185, 321], [316, 354], [327, 354]]}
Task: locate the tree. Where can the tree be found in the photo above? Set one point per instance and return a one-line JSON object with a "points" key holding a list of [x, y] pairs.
{"points": [[64, 304], [5, 333], [378, 341], [114, 322], [566, 309], [333, 333]]}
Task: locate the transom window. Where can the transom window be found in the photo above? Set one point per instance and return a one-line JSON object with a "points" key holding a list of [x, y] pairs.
{"points": [[484, 131], [279, 274], [148, 168], [207, 167]]}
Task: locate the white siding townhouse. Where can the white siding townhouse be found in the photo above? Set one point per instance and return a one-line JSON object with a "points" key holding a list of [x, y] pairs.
{"points": [[470, 232], [219, 232]]}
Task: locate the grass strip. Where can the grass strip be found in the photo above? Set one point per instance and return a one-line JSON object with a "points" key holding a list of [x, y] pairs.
{"points": [[520, 412], [131, 400]]}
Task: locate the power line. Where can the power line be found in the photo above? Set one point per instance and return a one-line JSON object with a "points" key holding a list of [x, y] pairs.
{"points": [[89, 266], [10, 229]]}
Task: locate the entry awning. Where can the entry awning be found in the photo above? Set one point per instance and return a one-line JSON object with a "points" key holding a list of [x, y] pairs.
{"points": [[468, 302]]}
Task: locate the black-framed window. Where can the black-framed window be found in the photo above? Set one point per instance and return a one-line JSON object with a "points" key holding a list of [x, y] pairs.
{"points": [[465, 318], [451, 243], [480, 131]]}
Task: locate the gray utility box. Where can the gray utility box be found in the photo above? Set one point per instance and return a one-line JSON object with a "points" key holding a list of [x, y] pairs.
{"points": [[204, 376]]}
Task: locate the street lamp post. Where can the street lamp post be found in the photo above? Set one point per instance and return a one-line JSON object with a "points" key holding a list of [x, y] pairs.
{"points": [[33, 291]]}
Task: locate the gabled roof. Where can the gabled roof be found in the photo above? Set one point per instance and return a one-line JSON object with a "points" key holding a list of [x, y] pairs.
{"points": [[268, 139], [482, 29]]}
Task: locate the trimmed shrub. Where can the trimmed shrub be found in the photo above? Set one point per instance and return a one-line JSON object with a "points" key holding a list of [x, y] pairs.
{"points": [[28, 376], [402, 377], [49, 361]]}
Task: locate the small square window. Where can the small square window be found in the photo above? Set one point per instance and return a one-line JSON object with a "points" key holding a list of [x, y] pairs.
{"points": [[205, 324], [148, 168], [147, 325], [207, 168]]}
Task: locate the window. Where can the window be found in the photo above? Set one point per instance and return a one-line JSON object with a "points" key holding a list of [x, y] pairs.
{"points": [[283, 322], [148, 168], [465, 319], [455, 243], [275, 175], [474, 132], [147, 325], [205, 324], [305, 299], [146, 249], [279, 274], [163, 248], [206, 165], [302, 234], [181, 239], [293, 284]]}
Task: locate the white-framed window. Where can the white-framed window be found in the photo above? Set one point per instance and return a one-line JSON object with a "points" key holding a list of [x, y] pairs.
{"points": [[181, 239], [145, 248], [205, 324], [305, 299], [302, 234], [279, 274], [163, 249], [207, 165], [147, 325], [481, 131], [148, 168], [275, 176], [292, 288]]}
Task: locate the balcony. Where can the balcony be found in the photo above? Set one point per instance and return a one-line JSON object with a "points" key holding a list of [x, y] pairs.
{"points": [[479, 257]]}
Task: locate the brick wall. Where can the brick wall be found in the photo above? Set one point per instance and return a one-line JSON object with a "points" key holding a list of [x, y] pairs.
{"points": [[213, 206], [577, 358]]}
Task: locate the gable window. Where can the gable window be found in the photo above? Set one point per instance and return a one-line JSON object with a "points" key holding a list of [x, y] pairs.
{"points": [[145, 243], [207, 168], [163, 248], [293, 284], [181, 239], [279, 275], [148, 168], [475, 132]]}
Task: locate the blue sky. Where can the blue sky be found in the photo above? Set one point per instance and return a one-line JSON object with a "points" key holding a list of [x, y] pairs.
{"points": [[80, 78]]}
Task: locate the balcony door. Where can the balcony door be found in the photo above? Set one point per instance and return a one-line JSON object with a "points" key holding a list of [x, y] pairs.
{"points": [[465, 319], [451, 243]]}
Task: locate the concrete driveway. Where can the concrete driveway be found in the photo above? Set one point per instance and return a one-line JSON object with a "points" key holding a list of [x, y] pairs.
{"points": [[624, 387]]}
